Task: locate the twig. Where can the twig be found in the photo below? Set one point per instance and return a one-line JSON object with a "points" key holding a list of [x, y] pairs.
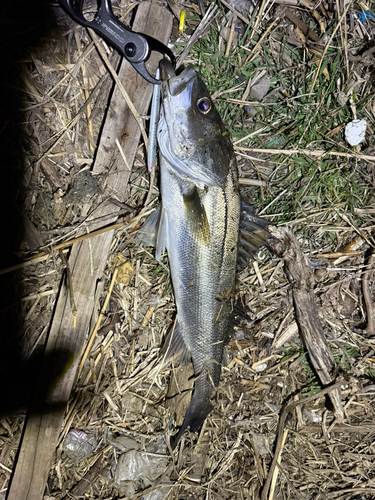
{"points": [[252, 54], [116, 78], [258, 18], [203, 25], [240, 16], [367, 296], [280, 431], [308, 152], [42, 255], [97, 325], [70, 284], [303, 27], [230, 39]]}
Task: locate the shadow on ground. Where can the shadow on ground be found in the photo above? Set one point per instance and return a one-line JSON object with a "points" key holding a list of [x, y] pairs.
{"points": [[24, 26]]}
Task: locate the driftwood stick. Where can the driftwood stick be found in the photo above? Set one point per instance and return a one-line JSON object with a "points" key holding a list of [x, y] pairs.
{"points": [[367, 296], [300, 276]]}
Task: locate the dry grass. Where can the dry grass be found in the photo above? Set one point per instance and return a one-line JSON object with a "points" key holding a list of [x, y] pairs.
{"points": [[120, 396]]}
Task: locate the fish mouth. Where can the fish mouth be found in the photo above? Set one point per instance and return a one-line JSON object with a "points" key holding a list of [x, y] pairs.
{"points": [[175, 83]]}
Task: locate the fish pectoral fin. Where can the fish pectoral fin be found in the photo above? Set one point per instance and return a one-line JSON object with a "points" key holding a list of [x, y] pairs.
{"points": [[146, 235], [174, 345], [196, 216]]}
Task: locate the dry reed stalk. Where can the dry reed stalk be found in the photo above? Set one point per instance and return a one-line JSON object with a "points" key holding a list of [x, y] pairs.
{"points": [[86, 92], [97, 325], [251, 182], [316, 153], [276, 469], [122, 155], [257, 21], [230, 39], [329, 43], [238, 14], [336, 255], [252, 54], [39, 257], [281, 428]]}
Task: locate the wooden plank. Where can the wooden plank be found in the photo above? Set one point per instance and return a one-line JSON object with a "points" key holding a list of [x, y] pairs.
{"points": [[87, 260]]}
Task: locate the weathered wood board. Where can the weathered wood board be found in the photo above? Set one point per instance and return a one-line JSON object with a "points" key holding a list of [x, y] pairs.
{"points": [[87, 260]]}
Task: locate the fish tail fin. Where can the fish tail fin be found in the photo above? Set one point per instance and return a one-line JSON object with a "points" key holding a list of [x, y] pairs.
{"points": [[194, 418]]}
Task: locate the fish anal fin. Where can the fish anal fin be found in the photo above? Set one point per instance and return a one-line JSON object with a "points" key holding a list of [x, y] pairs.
{"points": [[196, 216], [174, 345]]}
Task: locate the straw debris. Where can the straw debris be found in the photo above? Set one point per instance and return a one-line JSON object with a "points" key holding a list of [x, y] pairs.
{"points": [[272, 433]]}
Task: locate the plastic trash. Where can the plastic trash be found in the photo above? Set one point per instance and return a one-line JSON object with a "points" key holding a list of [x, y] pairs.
{"points": [[260, 89], [122, 442], [78, 445], [137, 470], [366, 15], [158, 494], [261, 367], [355, 132]]}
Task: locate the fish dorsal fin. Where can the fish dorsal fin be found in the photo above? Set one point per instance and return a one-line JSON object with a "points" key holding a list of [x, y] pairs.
{"points": [[196, 216], [253, 235]]}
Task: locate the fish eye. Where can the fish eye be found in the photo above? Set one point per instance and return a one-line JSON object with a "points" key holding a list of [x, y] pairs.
{"points": [[204, 105]]}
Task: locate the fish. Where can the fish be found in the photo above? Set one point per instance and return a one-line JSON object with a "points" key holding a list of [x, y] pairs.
{"points": [[198, 224]]}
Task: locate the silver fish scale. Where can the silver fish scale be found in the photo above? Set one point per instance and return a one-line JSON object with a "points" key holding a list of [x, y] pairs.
{"points": [[203, 276]]}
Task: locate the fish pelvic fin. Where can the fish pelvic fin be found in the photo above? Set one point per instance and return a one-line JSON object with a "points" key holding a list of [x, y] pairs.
{"points": [[162, 238], [194, 418], [196, 216], [146, 235], [154, 232]]}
